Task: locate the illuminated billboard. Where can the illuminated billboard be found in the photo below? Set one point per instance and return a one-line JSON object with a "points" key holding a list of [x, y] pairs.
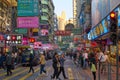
{"points": [[27, 22]]}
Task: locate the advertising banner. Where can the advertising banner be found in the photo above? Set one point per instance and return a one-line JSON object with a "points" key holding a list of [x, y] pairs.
{"points": [[37, 44], [44, 32], [27, 22], [62, 33], [21, 30], [27, 7], [119, 16], [43, 38], [25, 41]]}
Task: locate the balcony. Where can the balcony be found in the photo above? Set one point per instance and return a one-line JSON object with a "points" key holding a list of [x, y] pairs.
{"points": [[45, 10], [45, 18], [44, 2]]}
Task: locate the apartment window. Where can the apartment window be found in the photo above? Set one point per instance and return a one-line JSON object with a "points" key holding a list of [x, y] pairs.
{"points": [[44, 6]]}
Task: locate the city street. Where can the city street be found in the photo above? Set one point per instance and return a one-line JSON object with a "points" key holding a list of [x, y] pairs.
{"points": [[73, 72]]}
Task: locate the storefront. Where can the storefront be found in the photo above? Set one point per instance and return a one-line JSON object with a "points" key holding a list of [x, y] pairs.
{"points": [[101, 35]]}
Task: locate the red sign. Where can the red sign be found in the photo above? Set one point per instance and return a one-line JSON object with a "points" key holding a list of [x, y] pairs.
{"points": [[62, 33], [1, 37]]}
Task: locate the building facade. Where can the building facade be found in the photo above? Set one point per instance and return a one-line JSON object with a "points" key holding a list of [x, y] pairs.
{"points": [[47, 16]]}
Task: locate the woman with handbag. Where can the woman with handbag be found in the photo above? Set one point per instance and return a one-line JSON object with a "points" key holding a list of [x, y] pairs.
{"points": [[55, 65]]}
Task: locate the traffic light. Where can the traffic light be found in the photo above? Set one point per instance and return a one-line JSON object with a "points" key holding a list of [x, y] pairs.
{"points": [[113, 22], [113, 27], [31, 40]]}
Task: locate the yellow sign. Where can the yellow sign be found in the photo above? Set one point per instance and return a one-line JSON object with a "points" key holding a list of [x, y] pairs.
{"points": [[35, 30]]}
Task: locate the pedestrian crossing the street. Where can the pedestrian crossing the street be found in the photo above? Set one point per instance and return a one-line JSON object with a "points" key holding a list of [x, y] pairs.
{"points": [[24, 70], [71, 71]]}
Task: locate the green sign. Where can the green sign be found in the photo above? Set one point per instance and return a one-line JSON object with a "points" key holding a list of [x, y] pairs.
{"points": [[21, 30], [67, 38], [27, 8], [77, 31]]}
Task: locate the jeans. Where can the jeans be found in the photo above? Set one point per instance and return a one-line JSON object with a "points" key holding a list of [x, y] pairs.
{"points": [[42, 68], [85, 63]]}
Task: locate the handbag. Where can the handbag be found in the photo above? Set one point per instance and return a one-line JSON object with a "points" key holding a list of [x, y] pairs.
{"points": [[58, 64]]}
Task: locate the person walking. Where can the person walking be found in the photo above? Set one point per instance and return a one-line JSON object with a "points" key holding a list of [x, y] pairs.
{"points": [[62, 60], [9, 63], [85, 59], [31, 58], [104, 60], [93, 65], [42, 63], [55, 65]]}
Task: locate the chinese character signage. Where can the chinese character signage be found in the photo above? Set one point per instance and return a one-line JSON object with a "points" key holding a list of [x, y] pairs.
{"points": [[43, 38], [27, 22], [21, 30], [25, 41], [62, 33], [13, 39], [27, 8]]}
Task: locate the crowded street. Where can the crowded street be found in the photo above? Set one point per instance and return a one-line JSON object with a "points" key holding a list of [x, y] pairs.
{"points": [[59, 39], [73, 72]]}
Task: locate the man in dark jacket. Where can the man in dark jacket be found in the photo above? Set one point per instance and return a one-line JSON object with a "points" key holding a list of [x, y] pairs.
{"points": [[9, 63], [31, 57]]}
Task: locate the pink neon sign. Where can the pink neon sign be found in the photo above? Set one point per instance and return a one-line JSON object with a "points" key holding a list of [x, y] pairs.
{"points": [[27, 22], [25, 41]]}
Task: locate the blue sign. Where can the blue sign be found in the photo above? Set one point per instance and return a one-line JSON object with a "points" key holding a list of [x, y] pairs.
{"points": [[105, 26], [27, 7], [119, 17]]}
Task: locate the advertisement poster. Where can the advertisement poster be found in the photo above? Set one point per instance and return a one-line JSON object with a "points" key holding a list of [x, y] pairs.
{"points": [[27, 22]]}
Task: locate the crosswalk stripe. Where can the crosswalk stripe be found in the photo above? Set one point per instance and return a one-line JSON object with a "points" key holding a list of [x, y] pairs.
{"points": [[69, 70], [80, 77], [15, 70], [7, 78], [26, 76], [43, 75]]}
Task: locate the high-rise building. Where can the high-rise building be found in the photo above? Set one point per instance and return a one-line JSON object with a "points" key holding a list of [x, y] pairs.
{"points": [[5, 15], [84, 15], [47, 15], [75, 12], [62, 21]]}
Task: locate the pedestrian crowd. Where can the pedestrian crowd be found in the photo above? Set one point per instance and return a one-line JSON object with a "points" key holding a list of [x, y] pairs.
{"points": [[85, 59], [90, 59]]}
